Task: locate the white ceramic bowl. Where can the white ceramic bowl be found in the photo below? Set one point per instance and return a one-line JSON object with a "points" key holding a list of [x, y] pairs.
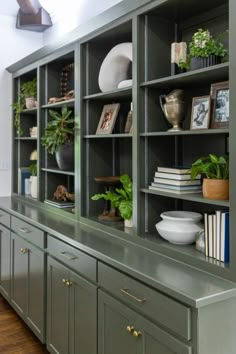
{"points": [[179, 227]]}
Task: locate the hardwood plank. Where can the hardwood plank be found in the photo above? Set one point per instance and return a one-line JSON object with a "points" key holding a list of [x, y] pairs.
{"points": [[15, 336]]}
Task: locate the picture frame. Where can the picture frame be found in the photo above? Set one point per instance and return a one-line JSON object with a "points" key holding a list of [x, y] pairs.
{"points": [[220, 105], [108, 118], [201, 112], [128, 124]]}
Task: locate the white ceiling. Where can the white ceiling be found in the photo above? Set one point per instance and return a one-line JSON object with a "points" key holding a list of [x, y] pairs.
{"points": [[9, 7]]}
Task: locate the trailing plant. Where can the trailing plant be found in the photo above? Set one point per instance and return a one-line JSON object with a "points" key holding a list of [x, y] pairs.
{"points": [[59, 131], [33, 169], [29, 88], [203, 45], [18, 108], [122, 198], [211, 166]]}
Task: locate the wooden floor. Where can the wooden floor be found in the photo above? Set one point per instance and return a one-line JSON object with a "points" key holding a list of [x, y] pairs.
{"points": [[15, 337]]}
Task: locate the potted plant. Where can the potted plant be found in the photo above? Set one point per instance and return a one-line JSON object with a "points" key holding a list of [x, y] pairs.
{"points": [[58, 138], [215, 172], [122, 199], [27, 98], [29, 93], [204, 50], [34, 180]]}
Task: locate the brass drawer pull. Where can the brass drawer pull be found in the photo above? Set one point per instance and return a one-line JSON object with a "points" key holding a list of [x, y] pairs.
{"points": [[66, 282], [24, 250], [136, 334], [126, 292], [68, 256], [24, 230], [130, 329]]}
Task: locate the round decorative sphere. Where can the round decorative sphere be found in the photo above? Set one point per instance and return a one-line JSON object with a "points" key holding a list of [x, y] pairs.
{"points": [[179, 227]]}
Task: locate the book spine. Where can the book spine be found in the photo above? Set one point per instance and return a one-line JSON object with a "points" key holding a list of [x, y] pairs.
{"points": [[206, 235], [175, 176], [177, 183], [179, 188]]}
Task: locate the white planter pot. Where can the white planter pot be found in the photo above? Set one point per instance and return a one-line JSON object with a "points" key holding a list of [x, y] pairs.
{"points": [[179, 227], [129, 223], [34, 186]]}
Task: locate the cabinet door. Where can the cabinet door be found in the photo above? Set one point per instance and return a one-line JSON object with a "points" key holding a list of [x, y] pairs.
{"points": [[83, 316], [121, 330], [28, 284], [5, 261], [19, 275], [36, 279], [58, 308]]}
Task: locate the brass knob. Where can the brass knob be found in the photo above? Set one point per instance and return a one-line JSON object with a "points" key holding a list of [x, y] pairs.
{"points": [[68, 283], [23, 250], [64, 281], [136, 334], [130, 329]]}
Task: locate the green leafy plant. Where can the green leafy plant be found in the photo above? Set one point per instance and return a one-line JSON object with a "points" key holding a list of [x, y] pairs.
{"points": [[212, 167], [33, 169], [59, 131], [122, 198], [29, 88], [18, 108], [203, 45]]}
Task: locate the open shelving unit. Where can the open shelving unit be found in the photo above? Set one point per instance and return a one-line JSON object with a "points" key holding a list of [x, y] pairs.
{"points": [[151, 28]]}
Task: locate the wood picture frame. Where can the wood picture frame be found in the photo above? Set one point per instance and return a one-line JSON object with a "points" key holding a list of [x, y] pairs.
{"points": [[220, 105], [108, 118], [201, 112]]}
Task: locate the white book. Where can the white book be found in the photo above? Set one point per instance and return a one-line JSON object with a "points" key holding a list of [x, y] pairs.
{"points": [[175, 176], [177, 183], [218, 233], [179, 170], [206, 234], [214, 236], [210, 234], [179, 188], [176, 191]]}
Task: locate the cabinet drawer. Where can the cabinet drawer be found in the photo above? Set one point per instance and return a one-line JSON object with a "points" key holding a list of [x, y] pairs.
{"points": [[29, 232], [75, 259], [162, 309], [5, 218]]}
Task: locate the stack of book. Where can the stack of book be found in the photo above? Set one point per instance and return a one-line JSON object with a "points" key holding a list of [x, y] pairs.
{"points": [[217, 235], [34, 132], [60, 204], [175, 180]]}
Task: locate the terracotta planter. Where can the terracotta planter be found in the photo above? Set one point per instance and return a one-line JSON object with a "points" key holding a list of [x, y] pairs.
{"points": [[215, 189]]}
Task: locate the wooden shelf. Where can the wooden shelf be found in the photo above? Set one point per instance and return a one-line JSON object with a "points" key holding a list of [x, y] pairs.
{"points": [[69, 103], [198, 77], [109, 136], [124, 93], [188, 132], [194, 197], [58, 171]]}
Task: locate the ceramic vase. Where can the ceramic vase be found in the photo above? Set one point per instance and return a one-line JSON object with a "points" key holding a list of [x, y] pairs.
{"points": [[179, 227], [34, 186]]}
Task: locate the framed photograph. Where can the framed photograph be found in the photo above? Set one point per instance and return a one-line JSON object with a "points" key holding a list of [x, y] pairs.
{"points": [[128, 123], [108, 118], [220, 106], [201, 110]]}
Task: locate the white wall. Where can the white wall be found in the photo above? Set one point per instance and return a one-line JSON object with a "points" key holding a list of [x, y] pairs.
{"points": [[14, 45], [73, 14]]}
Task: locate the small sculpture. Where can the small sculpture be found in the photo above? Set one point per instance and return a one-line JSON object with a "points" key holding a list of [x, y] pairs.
{"points": [[178, 53], [114, 70], [62, 194], [68, 96], [174, 108]]}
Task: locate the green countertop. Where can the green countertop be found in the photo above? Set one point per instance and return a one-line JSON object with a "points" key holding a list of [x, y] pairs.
{"points": [[184, 283]]}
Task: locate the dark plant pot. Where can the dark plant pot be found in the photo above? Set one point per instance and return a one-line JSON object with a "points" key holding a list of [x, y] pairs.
{"points": [[199, 63], [65, 157]]}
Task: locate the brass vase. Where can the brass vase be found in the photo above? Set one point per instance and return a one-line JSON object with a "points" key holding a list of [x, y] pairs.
{"points": [[174, 108]]}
